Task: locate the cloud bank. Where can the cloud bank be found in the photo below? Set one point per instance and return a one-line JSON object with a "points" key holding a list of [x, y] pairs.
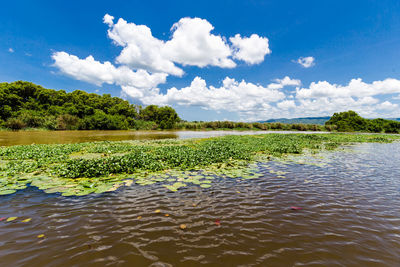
{"points": [[145, 62]]}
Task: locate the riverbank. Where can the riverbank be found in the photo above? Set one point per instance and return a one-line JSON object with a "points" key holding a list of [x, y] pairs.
{"points": [[97, 167]]}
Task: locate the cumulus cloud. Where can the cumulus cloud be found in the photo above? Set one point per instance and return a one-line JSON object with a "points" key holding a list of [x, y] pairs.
{"points": [[387, 106], [10, 50], [107, 19], [257, 102], [193, 44], [324, 98], [287, 104], [356, 87], [306, 62], [231, 96], [145, 61], [92, 71], [140, 49], [251, 49]]}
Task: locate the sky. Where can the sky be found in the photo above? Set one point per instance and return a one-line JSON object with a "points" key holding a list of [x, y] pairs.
{"points": [[212, 60]]}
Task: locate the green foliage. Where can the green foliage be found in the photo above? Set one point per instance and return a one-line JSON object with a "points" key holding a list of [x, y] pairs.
{"points": [[15, 124], [81, 169], [144, 125], [25, 104], [308, 120], [102, 121], [229, 125], [350, 121], [67, 122], [165, 117]]}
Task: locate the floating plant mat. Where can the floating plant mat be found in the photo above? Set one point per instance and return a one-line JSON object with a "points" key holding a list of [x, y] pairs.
{"points": [[97, 167]]}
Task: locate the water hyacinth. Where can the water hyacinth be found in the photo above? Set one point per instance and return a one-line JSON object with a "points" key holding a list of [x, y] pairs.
{"points": [[98, 167]]}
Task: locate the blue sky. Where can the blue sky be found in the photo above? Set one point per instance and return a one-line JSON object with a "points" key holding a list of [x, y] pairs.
{"points": [[350, 52]]}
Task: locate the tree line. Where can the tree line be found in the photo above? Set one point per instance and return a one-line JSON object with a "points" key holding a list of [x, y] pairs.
{"points": [[27, 105], [350, 121]]}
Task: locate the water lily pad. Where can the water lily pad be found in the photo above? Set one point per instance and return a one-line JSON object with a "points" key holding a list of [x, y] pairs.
{"points": [[10, 219], [7, 191]]}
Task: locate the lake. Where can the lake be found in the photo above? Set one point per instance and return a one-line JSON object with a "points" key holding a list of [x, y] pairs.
{"points": [[349, 216], [9, 138]]}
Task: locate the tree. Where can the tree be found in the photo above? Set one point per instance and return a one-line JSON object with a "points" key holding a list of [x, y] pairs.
{"points": [[166, 117]]}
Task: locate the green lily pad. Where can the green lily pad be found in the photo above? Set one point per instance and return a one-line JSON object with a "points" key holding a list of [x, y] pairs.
{"points": [[7, 192]]}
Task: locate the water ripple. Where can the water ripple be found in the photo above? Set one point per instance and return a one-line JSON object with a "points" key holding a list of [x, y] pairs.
{"points": [[350, 216]]}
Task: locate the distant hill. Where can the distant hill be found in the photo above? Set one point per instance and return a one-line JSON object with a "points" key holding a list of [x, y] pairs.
{"points": [[307, 120]]}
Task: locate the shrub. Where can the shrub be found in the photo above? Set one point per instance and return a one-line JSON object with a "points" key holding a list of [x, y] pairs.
{"points": [[15, 124], [67, 122]]}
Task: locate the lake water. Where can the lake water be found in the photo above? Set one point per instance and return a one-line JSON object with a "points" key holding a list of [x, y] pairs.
{"points": [[8, 138], [350, 216]]}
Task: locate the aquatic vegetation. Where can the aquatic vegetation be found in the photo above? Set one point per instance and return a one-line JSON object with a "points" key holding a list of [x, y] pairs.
{"points": [[98, 167]]}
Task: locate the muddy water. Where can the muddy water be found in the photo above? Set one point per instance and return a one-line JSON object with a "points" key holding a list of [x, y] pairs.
{"points": [[350, 216], [8, 138]]}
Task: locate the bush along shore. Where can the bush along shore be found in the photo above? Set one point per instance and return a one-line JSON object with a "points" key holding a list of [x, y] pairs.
{"points": [[97, 167]]}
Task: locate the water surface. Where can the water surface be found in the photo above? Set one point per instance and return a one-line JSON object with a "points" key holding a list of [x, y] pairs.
{"points": [[9, 138], [350, 216]]}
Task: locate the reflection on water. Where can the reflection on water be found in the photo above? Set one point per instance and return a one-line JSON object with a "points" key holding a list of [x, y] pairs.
{"points": [[8, 138], [350, 216], [64, 137]]}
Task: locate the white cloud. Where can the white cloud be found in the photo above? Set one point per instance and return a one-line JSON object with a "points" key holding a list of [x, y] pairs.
{"points": [[251, 49], [286, 104], [387, 106], [109, 20], [231, 96], [140, 49], [255, 102], [356, 87], [146, 61], [286, 81], [10, 50], [193, 44], [92, 71], [324, 98], [306, 62]]}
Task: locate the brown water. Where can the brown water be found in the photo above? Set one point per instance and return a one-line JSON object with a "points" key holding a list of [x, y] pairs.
{"points": [[8, 138], [350, 216]]}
